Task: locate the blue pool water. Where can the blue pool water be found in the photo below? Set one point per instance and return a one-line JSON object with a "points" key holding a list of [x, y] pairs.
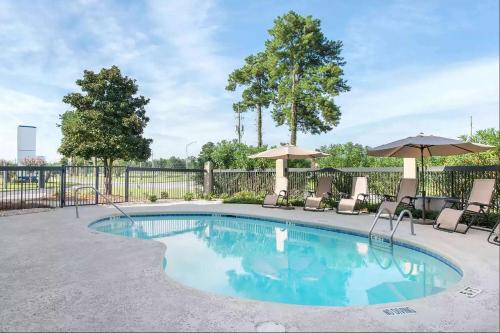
{"points": [[277, 262]]}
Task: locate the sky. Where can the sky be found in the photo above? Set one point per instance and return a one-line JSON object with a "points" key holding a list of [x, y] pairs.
{"points": [[413, 66]]}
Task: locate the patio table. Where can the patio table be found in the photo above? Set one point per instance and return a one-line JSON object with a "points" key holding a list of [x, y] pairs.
{"points": [[432, 203]]}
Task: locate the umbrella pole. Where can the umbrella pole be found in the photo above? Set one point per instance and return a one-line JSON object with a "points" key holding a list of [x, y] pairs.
{"points": [[423, 182]]}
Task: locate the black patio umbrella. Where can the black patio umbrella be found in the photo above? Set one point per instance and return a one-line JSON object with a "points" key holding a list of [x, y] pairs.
{"points": [[426, 146]]}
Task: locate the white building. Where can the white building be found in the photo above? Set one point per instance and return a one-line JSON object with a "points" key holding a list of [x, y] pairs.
{"points": [[26, 142]]}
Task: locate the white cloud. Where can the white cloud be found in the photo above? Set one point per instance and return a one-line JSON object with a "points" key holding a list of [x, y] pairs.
{"points": [[17, 108], [170, 50], [431, 100], [187, 91], [391, 105], [440, 89], [384, 29], [173, 49], [464, 85], [191, 29]]}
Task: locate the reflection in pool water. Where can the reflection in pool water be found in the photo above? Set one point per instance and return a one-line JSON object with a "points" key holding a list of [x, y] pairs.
{"points": [[277, 262]]}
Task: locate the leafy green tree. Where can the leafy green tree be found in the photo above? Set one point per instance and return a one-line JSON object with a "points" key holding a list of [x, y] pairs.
{"points": [[306, 163], [172, 162], [239, 109], [106, 120], [232, 155], [34, 161], [487, 136], [351, 155], [306, 74], [343, 155], [75, 160], [254, 75], [205, 154], [356, 155], [4, 162]]}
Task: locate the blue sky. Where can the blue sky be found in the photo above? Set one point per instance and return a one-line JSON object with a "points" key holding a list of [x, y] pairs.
{"points": [[414, 66]]}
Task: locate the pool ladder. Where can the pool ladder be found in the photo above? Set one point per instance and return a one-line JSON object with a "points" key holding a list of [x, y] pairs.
{"points": [[373, 236], [102, 195]]}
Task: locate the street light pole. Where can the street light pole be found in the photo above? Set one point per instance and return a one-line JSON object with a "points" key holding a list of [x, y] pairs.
{"points": [[187, 156]]}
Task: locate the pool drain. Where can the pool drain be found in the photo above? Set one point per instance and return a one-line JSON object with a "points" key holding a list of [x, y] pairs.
{"points": [[270, 326], [470, 292]]}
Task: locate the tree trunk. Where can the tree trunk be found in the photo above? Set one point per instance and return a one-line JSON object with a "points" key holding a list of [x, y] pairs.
{"points": [[259, 126], [293, 125], [110, 178], [293, 120], [108, 181]]}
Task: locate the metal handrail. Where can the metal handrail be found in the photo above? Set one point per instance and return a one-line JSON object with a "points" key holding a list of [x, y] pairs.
{"points": [[102, 195], [393, 230], [377, 217], [400, 217]]}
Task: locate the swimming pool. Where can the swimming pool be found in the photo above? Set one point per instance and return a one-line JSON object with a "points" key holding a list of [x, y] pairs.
{"points": [[269, 260]]}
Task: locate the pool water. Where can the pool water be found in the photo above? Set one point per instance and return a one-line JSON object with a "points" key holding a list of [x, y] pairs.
{"points": [[278, 262]]}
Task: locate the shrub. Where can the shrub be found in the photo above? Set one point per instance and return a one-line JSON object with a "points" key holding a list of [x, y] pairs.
{"points": [[208, 196], [297, 202], [245, 197], [224, 196], [153, 198], [188, 196], [417, 214], [34, 161], [164, 195]]}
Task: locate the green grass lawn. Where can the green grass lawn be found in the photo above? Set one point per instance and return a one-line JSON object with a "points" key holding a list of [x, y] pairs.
{"points": [[144, 193], [25, 186], [133, 178]]}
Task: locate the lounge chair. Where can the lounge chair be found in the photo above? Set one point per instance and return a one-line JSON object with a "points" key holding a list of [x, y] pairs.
{"points": [[276, 199], [456, 212], [494, 237], [407, 190], [350, 203], [323, 192]]}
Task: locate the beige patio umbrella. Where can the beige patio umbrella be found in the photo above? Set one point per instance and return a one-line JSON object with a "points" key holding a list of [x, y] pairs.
{"points": [[426, 146], [288, 152]]}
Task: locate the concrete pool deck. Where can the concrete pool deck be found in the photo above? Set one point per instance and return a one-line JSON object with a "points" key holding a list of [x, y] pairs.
{"points": [[56, 274]]}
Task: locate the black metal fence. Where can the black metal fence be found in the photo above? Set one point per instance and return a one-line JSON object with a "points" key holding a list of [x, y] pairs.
{"points": [[440, 181], [26, 187], [76, 176], [142, 183], [382, 180], [456, 181], [30, 187], [233, 181]]}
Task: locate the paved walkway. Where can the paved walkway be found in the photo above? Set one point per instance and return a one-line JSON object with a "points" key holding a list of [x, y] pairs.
{"points": [[57, 274]]}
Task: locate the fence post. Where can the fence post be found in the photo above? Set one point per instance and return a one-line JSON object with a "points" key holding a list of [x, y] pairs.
{"points": [[452, 184], [126, 184], [41, 178], [208, 181], [63, 186], [97, 184], [22, 188], [5, 179], [409, 168], [419, 177]]}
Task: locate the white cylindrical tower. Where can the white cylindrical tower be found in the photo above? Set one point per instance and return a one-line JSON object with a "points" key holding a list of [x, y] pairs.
{"points": [[26, 143]]}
